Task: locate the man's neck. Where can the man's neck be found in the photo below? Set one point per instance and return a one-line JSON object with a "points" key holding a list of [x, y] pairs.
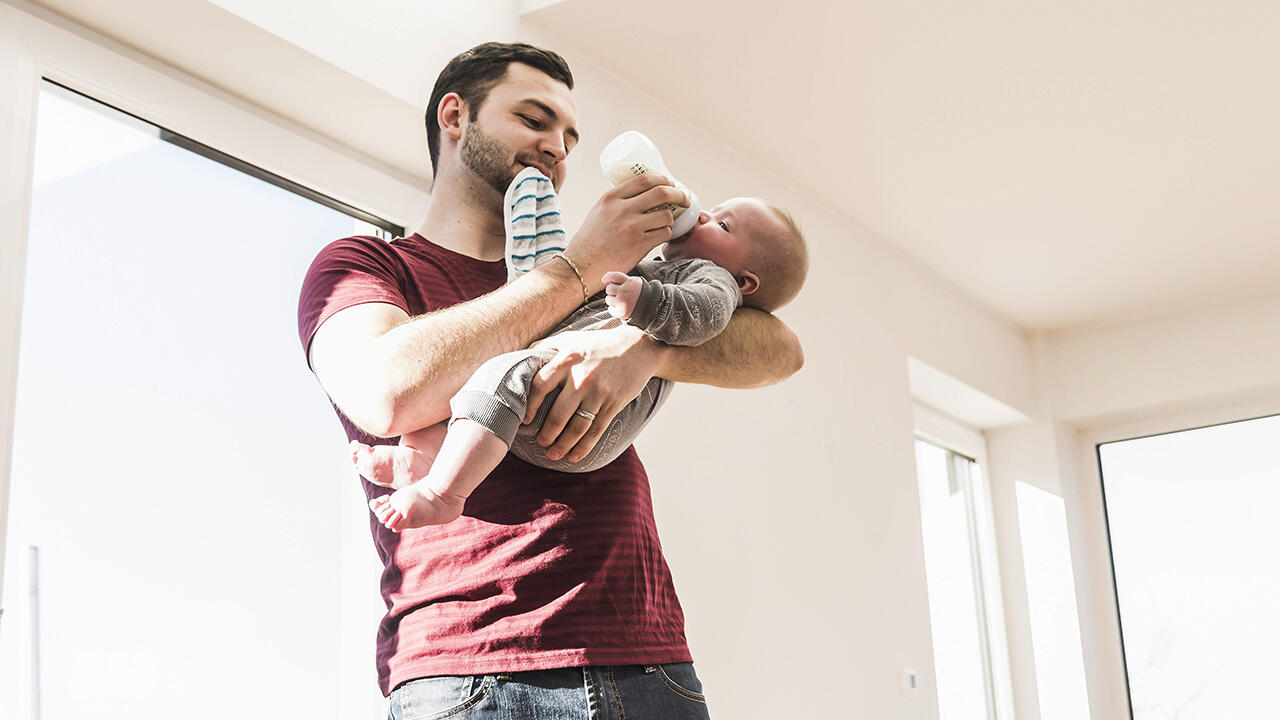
{"points": [[465, 217]]}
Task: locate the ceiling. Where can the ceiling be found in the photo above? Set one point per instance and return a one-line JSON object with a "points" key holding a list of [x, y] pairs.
{"points": [[1065, 163]]}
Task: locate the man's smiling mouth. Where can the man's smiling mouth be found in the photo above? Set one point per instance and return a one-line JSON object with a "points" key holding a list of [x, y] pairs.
{"points": [[541, 168]]}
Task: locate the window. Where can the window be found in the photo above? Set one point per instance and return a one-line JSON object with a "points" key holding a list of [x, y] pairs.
{"points": [[1051, 602], [201, 545], [1192, 523], [963, 587]]}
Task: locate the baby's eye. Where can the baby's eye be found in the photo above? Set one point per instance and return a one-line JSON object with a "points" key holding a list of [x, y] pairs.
{"points": [[723, 225]]}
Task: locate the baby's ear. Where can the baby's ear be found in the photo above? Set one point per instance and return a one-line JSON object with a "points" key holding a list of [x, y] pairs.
{"points": [[748, 282]]}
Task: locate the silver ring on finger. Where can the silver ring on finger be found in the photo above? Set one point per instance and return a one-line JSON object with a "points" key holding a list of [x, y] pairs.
{"points": [[588, 416]]}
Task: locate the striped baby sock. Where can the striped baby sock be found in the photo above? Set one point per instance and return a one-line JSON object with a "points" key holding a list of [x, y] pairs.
{"points": [[534, 230]]}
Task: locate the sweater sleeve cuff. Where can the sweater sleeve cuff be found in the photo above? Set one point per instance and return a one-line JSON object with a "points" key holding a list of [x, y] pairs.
{"points": [[646, 310], [488, 411]]}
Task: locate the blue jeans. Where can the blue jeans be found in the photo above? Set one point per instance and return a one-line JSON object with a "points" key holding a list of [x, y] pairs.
{"points": [[622, 692]]}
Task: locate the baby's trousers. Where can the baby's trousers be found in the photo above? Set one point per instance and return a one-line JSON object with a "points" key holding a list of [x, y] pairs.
{"points": [[497, 396]]}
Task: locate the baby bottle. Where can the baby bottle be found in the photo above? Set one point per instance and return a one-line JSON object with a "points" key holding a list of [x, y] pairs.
{"points": [[631, 153]]}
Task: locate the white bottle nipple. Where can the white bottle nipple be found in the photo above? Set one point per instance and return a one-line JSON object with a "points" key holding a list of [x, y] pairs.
{"points": [[631, 154]]}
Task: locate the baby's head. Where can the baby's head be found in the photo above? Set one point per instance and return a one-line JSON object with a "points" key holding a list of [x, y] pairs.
{"points": [[758, 244]]}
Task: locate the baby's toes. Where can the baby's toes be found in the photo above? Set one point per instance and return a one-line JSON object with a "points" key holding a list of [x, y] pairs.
{"points": [[381, 508], [395, 521]]}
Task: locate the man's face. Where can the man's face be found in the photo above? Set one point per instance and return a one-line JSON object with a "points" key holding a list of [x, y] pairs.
{"points": [[528, 120]]}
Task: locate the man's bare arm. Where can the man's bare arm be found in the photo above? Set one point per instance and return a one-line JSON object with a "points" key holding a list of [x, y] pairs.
{"points": [[755, 350], [391, 373]]}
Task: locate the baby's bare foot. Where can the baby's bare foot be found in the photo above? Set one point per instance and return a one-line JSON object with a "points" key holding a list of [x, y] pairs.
{"points": [[393, 466], [415, 506]]}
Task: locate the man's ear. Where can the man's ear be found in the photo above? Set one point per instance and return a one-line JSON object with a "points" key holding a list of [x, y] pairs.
{"points": [[748, 282], [450, 114]]}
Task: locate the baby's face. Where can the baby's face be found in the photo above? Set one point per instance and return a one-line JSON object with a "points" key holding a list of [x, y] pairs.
{"points": [[726, 234]]}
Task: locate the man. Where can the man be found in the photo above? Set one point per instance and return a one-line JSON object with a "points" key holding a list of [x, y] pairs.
{"points": [[550, 597]]}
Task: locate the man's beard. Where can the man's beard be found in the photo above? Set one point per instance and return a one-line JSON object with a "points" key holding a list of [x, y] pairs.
{"points": [[488, 158]]}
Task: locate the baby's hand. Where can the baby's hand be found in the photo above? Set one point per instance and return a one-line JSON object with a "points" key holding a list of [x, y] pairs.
{"points": [[622, 292]]}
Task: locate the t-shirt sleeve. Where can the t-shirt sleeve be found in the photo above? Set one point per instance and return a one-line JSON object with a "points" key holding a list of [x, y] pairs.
{"points": [[348, 272]]}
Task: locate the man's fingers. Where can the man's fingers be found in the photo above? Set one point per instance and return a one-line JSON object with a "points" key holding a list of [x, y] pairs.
{"points": [[641, 184], [659, 198], [660, 219], [560, 420], [578, 426], [548, 378], [664, 194], [685, 200], [593, 434], [657, 236]]}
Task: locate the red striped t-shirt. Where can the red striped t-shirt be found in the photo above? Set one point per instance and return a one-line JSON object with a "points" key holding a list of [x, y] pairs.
{"points": [[544, 569]]}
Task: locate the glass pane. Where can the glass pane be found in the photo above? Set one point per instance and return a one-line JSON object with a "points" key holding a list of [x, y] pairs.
{"points": [[1194, 541], [953, 609], [1051, 597], [174, 460]]}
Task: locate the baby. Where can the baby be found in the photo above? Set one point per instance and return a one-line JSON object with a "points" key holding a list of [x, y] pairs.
{"points": [[743, 252]]}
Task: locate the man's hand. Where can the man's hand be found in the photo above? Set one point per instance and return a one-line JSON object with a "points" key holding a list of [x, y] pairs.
{"points": [[625, 223], [622, 293], [598, 372]]}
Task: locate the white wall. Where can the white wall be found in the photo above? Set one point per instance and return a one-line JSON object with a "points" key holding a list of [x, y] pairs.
{"points": [[1102, 375], [789, 514], [803, 542], [1205, 366]]}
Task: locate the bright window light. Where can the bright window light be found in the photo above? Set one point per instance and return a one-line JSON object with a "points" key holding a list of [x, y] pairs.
{"points": [[73, 138], [1194, 538], [957, 612], [203, 549], [1051, 597]]}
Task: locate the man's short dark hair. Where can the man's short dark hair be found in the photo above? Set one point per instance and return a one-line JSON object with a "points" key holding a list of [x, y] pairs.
{"points": [[473, 74]]}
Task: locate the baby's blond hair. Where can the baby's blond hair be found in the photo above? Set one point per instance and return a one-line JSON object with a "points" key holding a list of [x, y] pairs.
{"points": [[781, 264]]}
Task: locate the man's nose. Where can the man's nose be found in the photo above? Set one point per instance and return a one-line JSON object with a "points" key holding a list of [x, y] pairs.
{"points": [[554, 148]]}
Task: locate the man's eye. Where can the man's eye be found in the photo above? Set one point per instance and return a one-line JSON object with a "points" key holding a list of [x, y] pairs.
{"points": [[532, 122]]}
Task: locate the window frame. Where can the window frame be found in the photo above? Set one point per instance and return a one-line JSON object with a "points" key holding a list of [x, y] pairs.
{"points": [[938, 429], [37, 44], [1097, 598]]}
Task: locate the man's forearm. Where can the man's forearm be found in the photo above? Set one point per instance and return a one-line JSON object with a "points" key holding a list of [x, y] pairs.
{"points": [[427, 359], [756, 349]]}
